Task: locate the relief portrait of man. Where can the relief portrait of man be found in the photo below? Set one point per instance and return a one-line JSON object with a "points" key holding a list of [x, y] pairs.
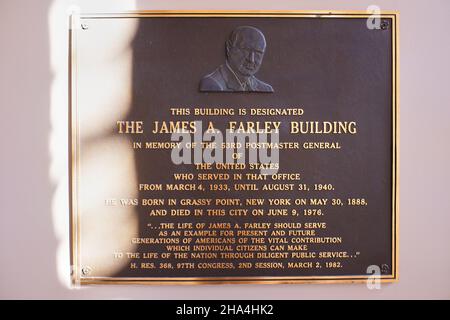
{"points": [[244, 55]]}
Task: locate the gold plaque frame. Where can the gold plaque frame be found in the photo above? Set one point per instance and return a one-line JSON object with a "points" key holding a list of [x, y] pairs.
{"points": [[77, 276]]}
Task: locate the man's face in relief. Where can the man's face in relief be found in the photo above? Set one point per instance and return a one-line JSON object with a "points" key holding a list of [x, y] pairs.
{"points": [[245, 51]]}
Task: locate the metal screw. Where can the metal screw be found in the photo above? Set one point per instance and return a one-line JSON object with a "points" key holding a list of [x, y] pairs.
{"points": [[86, 270]]}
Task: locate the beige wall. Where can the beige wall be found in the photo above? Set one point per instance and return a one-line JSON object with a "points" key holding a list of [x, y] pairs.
{"points": [[29, 238]]}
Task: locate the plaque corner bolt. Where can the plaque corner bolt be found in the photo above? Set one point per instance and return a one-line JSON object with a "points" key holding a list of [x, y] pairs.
{"points": [[384, 25], [86, 271], [385, 268]]}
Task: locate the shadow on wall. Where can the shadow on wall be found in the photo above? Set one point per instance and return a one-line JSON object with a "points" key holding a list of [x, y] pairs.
{"points": [[27, 237]]}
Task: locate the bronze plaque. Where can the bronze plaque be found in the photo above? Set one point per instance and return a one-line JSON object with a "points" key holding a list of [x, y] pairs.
{"points": [[233, 147]]}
